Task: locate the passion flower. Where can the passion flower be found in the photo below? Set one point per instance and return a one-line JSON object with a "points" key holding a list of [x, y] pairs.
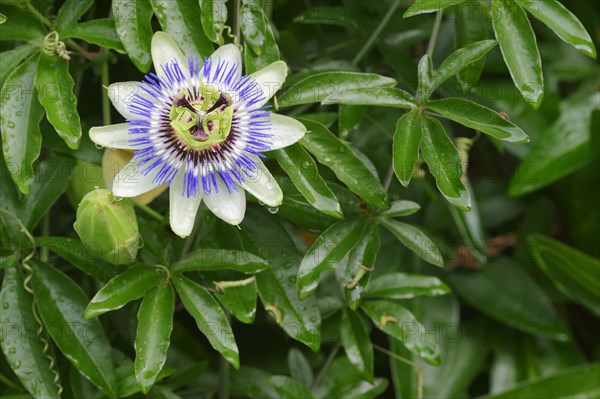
{"points": [[201, 128]]}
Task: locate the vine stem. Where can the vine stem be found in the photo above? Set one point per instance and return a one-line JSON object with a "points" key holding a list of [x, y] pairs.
{"points": [[38, 14], [149, 211], [105, 100], [417, 367], [326, 365], [236, 20], [365, 49], [435, 33]]}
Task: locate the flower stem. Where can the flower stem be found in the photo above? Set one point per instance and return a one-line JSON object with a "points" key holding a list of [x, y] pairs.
{"points": [[105, 100], [363, 51], [149, 211], [435, 33]]}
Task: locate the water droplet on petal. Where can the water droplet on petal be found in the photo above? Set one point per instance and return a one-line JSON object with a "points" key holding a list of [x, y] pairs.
{"points": [[98, 146], [260, 202], [12, 350], [5, 305], [11, 124], [269, 186], [273, 210], [117, 198]]}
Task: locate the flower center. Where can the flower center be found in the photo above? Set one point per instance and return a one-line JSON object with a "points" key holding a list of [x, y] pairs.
{"points": [[204, 121]]}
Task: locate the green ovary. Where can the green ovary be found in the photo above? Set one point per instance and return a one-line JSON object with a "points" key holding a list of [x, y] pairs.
{"points": [[202, 123]]}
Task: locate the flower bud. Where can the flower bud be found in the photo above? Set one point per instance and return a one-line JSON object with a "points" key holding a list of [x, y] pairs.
{"points": [[86, 177], [108, 226]]}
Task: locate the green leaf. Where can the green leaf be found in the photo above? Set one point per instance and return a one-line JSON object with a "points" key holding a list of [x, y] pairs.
{"points": [[69, 13], [396, 321], [327, 15], [573, 272], [98, 31], [253, 25], [425, 77], [407, 139], [415, 240], [240, 301], [269, 52], [340, 158], [155, 323], [478, 117], [341, 380], [330, 248], [52, 180], [564, 148], [74, 252], [444, 162], [23, 350], [12, 58], [214, 18], [470, 227], [124, 288], [301, 320], [378, 96], [179, 19], [405, 286], [504, 291], [576, 382], [315, 88], [132, 21], [519, 49], [471, 25], [210, 317], [459, 60], [289, 388], [401, 208], [355, 339], [463, 360], [299, 367], [303, 172], [61, 304], [210, 259], [361, 262], [562, 22], [55, 92], [21, 115], [428, 6], [21, 25]]}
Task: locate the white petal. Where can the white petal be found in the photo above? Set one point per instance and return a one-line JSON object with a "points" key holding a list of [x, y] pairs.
{"points": [[227, 206], [112, 136], [286, 131], [164, 51], [270, 79], [122, 94], [231, 54], [263, 186], [182, 208], [131, 182]]}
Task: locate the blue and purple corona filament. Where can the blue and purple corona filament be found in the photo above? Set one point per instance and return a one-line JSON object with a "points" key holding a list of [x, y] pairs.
{"points": [[201, 130], [161, 147]]}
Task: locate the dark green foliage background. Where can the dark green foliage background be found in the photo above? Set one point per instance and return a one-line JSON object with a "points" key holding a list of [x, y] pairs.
{"points": [[423, 299]]}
